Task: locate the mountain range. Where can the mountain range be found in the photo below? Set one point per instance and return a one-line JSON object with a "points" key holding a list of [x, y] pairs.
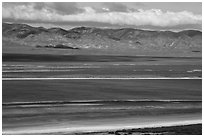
{"points": [[122, 39]]}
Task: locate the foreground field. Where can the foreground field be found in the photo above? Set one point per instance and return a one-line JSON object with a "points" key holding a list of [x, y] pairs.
{"points": [[195, 129], [77, 106], [66, 90]]}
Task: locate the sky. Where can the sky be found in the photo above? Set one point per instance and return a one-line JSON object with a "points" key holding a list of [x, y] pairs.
{"points": [[141, 15]]}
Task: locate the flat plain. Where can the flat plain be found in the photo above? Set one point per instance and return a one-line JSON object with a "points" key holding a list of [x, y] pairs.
{"points": [[99, 66]]}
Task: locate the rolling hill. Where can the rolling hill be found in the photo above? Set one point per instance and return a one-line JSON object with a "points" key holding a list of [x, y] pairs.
{"points": [[123, 40]]}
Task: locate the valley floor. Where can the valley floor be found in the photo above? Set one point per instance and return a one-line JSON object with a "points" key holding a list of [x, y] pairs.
{"points": [[40, 95]]}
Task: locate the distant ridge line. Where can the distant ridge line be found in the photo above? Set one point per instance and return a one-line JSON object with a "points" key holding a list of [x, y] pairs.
{"points": [[102, 28]]}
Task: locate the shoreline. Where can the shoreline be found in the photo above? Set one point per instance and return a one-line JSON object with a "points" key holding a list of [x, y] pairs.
{"points": [[96, 78], [100, 129]]}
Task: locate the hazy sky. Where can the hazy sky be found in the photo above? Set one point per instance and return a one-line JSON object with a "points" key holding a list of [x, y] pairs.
{"points": [[146, 15]]}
